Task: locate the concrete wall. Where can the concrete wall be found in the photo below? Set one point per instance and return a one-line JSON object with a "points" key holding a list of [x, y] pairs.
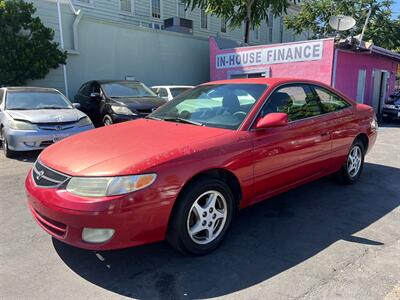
{"points": [[348, 65]]}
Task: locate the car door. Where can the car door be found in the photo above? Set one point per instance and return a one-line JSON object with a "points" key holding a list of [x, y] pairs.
{"points": [[338, 117], [287, 155]]}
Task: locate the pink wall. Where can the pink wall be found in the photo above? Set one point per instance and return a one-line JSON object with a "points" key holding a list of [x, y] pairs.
{"points": [[320, 70], [348, 65]]}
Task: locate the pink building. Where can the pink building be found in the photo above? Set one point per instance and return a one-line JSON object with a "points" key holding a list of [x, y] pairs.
{"points": [[365, 75]]}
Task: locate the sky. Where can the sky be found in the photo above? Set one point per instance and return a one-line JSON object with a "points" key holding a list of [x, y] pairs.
{"points": [[396, 8]]}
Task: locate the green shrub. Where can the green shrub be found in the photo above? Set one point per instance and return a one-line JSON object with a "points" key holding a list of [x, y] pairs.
{"points": [[27, 50]]}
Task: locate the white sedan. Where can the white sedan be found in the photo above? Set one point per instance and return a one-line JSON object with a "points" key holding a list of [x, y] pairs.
{"points": [[168, 92]]}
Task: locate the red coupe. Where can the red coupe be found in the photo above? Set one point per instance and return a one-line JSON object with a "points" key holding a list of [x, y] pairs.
{"points": [[184, 171]]}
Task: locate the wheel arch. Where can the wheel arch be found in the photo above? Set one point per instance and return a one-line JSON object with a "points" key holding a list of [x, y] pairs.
{"points": [[364, 140], [219, 173]]}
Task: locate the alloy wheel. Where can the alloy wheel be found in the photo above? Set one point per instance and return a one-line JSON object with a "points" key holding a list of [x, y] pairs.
{"points": [[207, 217], [354, 161]]}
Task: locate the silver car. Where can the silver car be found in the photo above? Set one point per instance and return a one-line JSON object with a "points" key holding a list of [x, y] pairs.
{"points": [[33, 118]]}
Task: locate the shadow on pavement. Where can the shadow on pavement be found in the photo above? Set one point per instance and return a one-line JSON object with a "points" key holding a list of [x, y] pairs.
{"points": [[266, 239]]}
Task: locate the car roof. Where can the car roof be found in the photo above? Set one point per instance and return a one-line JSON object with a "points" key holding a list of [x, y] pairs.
{"points": [[172, 86], [273, 81], [29, 89]]}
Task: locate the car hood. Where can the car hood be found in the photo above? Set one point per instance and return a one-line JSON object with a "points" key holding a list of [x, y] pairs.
{"points": [[141, 103], [47, 115], [126, 148]]}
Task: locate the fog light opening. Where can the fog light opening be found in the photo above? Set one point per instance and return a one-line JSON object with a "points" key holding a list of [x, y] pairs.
{"points": [[97, 235]]}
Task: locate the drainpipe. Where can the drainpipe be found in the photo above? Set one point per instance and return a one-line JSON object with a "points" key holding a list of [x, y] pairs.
{"points": [[62, 45]]}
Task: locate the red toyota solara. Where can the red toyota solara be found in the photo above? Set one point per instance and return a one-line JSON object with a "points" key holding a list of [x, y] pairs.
{"points": [[182, 173]]}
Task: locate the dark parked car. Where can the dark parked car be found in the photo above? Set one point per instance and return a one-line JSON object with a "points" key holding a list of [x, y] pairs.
{"points": [[391, 109], [111, 101]]}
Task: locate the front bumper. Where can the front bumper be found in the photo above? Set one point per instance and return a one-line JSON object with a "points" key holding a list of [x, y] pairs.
{"points": [[123, 118], [27, 140], [137, 218], [391, 113]]}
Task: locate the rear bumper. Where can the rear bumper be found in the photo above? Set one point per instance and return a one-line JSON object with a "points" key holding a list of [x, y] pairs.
{"points": [[27, 140]]}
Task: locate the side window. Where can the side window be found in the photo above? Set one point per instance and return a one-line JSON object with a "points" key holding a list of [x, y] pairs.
{"points": [[330, 101], [84, 90], [94, 88], [297, 101], [162, 92]]}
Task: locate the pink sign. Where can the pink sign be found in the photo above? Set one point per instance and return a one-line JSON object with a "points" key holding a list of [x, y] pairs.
{"points": [[306, 60]]}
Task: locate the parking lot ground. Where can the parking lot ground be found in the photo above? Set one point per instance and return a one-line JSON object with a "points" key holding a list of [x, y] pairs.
{"points": [[319, 241]]}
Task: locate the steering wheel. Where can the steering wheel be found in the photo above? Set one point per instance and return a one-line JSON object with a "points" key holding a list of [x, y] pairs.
{"points": [[239, 114]]}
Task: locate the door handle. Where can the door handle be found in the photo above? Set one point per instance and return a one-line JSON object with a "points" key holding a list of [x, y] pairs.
{"points": [[324, 133]]}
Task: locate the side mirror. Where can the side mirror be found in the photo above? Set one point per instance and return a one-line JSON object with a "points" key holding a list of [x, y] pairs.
{"points": [[95, 96], [76, 105], [272, 120]]}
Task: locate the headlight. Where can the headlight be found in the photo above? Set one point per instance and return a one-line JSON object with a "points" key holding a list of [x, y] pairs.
{"points": [[85, 121], [374, 123], [109, 186], [122, 110], [22, 125]]}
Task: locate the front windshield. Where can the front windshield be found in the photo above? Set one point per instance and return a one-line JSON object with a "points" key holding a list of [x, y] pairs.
{"points": [[127, 89], [36, 100], [221, 105]]}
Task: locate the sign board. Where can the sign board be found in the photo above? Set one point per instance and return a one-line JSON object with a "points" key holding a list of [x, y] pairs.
{"points": [[271, 55]]}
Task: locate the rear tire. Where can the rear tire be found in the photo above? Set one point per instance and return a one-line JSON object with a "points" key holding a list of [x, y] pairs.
{"points": [[202, 217], [352, 168]]}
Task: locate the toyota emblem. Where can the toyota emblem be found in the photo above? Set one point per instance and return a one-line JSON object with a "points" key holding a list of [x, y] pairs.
{"points": [[40, 175]]}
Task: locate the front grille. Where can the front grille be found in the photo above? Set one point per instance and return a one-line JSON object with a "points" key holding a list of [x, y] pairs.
{"points": [[51, 225], [59, 126], [46, 177]]}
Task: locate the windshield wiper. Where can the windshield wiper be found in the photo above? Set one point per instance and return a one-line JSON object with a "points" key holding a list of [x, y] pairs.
{"points": [[153, 118], [181, 120], [19, 108]]}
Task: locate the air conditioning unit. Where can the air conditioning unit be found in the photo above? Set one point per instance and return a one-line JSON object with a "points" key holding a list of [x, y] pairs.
{"points": [[178, 24]]}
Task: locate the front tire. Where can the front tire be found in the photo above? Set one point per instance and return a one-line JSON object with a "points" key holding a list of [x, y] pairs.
{"points": [[107, 120], [202, 217], [352, 168], [6, 150]]}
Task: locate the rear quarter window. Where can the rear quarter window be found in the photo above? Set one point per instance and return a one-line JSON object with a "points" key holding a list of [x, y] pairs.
{"points": [[330, 101]]}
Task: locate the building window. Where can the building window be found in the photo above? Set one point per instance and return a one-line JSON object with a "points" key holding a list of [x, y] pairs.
{"points": [[203, 19], [181, 9], [89, 3], [223, 24], [126, 6], [281, 28], [156, 9]]}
